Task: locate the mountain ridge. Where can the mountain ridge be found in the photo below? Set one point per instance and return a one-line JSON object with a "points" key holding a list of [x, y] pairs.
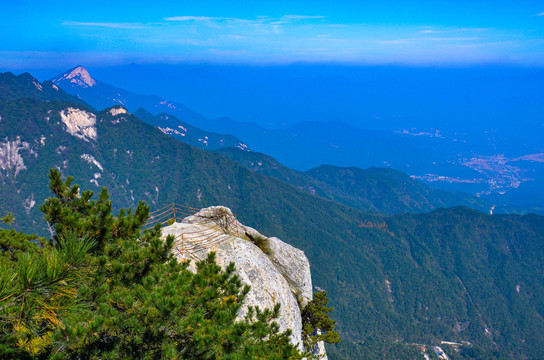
{"points": [[102, 95], [445, 158], [150, 108], [182, 131], [393, 279], [78, 75], [26, 86], [381, 190]]}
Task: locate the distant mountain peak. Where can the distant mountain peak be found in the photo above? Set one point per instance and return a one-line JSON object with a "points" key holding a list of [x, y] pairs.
{"points": [[117, 110], [78, 76]]}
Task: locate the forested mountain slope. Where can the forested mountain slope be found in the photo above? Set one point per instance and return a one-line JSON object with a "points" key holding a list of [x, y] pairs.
{"points": [[380, 190], [453, 274]]}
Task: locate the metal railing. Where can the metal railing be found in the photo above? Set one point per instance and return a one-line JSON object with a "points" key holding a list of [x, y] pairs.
{"points": [[216, 227]]}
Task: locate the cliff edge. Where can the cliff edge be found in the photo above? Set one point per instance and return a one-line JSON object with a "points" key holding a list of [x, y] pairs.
{"points": [[276, 272]]}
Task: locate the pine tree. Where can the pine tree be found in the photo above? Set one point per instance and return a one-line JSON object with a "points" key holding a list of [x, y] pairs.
{"points": [[102, 289], [38, 293], [316, 322]]}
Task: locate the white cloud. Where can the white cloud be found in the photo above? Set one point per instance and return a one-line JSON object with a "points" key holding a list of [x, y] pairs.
{"points": [[105, 24], [195, 18], [303, 17], [434, 31], [394, 41], [541, 14], [420, 39], [451, 39], [260, 19], [214, 21], [430, 31]]}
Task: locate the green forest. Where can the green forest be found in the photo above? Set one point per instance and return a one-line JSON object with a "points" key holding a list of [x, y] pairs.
{"points": [[452, 274], [99, 288]]}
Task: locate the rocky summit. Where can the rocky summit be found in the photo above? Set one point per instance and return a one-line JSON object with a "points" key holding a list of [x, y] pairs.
{"points": [[276, 271]]}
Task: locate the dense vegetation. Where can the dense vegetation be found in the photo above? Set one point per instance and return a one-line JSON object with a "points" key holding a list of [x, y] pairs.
{"points": [[187, 133], [14, 87], [98, 289], [381, 190], [412, 278]]}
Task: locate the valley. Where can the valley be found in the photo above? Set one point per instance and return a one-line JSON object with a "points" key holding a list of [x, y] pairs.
{"points": [[448, 159], [272, 180], [420, 273]]}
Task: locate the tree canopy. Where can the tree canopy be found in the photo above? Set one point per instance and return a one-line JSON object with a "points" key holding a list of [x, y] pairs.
{"points": [[99, 288]]}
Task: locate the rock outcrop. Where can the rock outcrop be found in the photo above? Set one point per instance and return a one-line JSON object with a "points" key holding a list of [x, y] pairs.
{"points": [[10, 157], [294, 266], [79, 123], [276, 272]]}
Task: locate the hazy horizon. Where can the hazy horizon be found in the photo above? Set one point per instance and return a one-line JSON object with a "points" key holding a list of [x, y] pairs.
{"points": [[373, 97], [62, 33]]}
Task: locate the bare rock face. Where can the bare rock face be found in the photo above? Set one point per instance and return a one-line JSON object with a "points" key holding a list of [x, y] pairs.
{"points": [[78, 76], [294, 266], [276, 272], [319, 350], [291, 262], [79, 123], [10, 157], [268, 286]]}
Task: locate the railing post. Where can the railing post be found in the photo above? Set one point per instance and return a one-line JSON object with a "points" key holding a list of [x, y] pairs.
{"points": [[236, 219], [174, 209]]}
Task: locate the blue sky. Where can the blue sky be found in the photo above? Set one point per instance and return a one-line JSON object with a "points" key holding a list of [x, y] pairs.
{"points": [[66, 33]]}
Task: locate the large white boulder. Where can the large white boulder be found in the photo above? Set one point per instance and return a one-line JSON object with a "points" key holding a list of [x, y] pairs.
{"points": [[268, 286], [276, 271], [291, 262], [294, 266]]}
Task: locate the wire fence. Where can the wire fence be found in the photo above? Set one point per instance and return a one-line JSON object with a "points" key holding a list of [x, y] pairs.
{"points": [[214, 228]]}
